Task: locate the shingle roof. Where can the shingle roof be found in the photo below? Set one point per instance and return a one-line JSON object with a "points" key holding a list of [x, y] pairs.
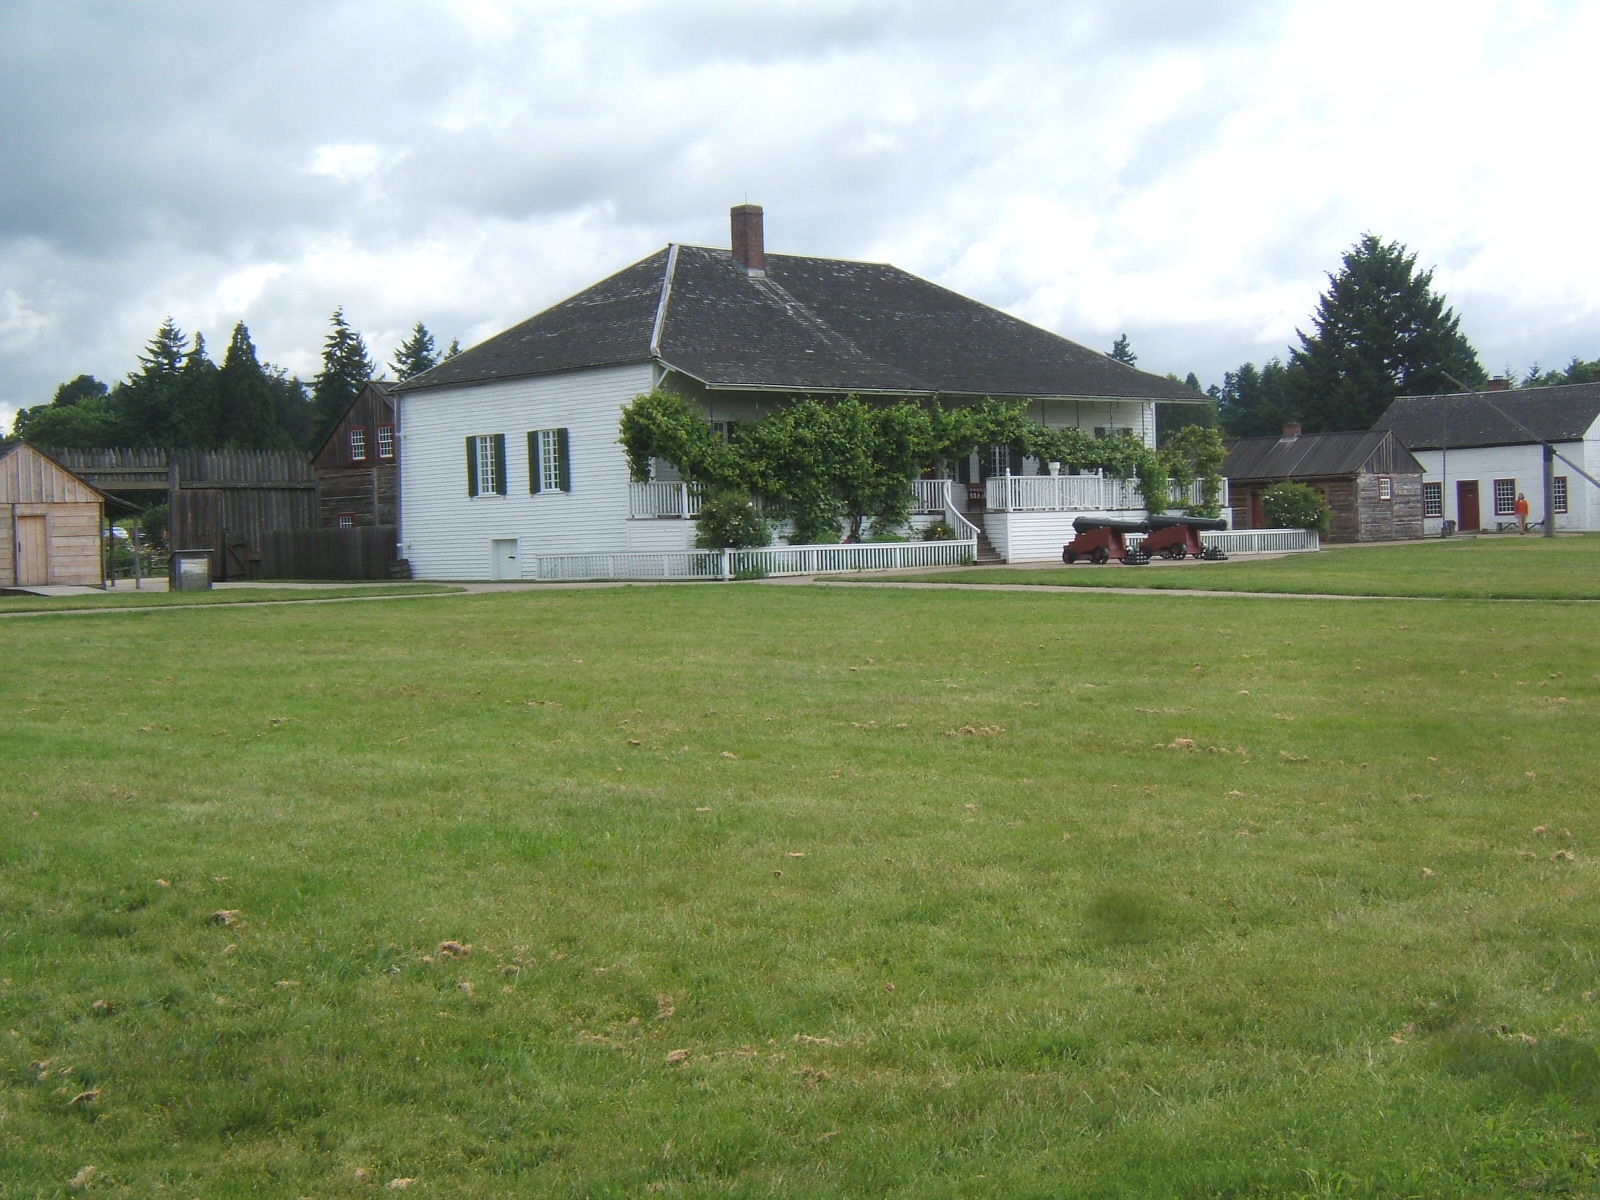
{"points": [[1316, 456], [1465, 419], [808, 325]]}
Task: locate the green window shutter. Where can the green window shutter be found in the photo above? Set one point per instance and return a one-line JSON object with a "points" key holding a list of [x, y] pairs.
{"points": [[500, 463], [564, 456], [533, 461], [472, 466]]}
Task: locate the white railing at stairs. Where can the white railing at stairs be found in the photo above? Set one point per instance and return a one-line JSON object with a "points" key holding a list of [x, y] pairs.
{"points": [[1080, 493]]}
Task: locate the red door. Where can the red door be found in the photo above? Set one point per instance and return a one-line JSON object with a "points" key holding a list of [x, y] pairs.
{"points": [[1258, 515], [1467, 505]]}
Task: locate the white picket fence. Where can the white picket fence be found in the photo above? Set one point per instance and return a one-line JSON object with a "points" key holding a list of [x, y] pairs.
{"points": [[1253, 541], [767, 561], [663, 499]]}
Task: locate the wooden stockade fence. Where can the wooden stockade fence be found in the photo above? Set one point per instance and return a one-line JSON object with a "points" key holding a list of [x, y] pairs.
{"points": [[256, 510]]}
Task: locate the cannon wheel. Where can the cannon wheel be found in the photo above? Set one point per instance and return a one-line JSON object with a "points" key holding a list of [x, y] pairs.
{"points": [[1069, 557], [1099, 556], [1180, 551]]}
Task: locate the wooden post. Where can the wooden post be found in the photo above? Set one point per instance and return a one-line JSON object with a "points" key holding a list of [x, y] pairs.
{"points": [[1549, 490]]}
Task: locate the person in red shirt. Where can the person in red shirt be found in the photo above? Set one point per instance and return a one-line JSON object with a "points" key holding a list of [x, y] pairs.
{"points": [[1521, 509]]}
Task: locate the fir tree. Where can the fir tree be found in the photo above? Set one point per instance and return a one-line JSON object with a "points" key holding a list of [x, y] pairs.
{"points": [[1122, 352], [196, 422], [249, 420], [145, 403], [416, 355], [1379, 331], [346, 369]]}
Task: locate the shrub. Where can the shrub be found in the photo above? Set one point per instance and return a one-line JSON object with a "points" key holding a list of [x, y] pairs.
{"points": [[1295, 506], [730, 520], [939, 531]]}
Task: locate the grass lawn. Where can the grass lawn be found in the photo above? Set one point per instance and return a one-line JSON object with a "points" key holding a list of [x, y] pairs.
{"points": [[771, 891], [155, 599], [1511, 568]]}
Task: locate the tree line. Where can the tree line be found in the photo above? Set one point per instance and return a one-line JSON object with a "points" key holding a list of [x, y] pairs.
{"points": [[1380, 330], [179, 398]]}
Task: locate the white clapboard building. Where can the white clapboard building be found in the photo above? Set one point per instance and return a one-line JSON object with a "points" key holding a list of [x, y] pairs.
{"points": [[1480, 450], [511, 453]]}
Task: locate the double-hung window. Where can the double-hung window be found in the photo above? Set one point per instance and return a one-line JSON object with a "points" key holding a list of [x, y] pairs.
{"points": [[1433, 499], [358, 445], [385, 441], [1385, 487], [1558, 493], [549, 461], [1505, 497], [486, 464]]}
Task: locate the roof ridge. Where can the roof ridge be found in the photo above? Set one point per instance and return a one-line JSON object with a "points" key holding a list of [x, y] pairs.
{"points": [[666, 296]]}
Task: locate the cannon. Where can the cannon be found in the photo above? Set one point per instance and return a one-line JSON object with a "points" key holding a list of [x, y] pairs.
{"points": [[1100, 540], [1179, 537]]}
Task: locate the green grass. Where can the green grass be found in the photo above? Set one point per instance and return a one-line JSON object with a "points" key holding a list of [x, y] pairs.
{"points": [[264, 595], [802, 892], [1510, 568]]}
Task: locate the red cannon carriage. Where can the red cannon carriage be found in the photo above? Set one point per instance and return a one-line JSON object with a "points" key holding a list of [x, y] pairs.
{"points": [[1100, 540], [1179, 537]]}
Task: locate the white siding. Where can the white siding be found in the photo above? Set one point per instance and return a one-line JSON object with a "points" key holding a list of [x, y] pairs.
{"points": [[1525, 465], [448, 535], [1035, 536]]}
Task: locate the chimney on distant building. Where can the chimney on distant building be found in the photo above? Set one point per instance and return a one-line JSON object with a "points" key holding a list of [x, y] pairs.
{"points": [[1292, 429], [749, 240], [1499, 384]]}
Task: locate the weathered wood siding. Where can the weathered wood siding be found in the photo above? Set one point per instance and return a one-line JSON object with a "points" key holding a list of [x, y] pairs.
{"points": [[32, 486], [363, 553], [371, 496], [448, 534], [373, 407]]}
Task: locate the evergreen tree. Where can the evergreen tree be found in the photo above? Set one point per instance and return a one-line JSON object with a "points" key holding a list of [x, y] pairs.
{"points": [[346, 369], [1379, 331], [196, 419], [451, 351], [416, 355], [144, 404], [1255, 403], [1123, 353], [248, 405]]}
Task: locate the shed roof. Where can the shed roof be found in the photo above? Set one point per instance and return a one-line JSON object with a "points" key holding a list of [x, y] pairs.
{"points": [[806, 325], [1316, 456], [1461, 420]]}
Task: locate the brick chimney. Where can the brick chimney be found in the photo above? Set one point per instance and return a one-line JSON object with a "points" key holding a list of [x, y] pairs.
{"points": [[1499, 384], [1291, 430], [749, 241]]}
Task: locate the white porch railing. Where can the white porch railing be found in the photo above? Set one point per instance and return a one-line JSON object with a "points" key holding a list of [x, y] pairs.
{"points": [[663, 499], [1080, 493], [1253, 541], [929, 495]]}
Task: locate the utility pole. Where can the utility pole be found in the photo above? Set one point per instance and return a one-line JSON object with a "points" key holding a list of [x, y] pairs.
{"points": [[1549, 490]]}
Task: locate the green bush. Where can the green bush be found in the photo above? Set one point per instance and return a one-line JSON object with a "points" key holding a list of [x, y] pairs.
{"points": [[729, 519], [939, 531], [1295, 506]]}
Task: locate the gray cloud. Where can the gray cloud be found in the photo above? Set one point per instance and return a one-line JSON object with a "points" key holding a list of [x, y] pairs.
{"points": [[1185, 172]]}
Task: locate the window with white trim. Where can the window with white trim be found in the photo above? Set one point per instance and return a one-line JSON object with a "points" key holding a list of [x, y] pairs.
{"points": [[1505, 497], [486, 464], [347, 520], [725, 431], [1433, 499], [385, 441], [1558, 493], [358, 445], [1385, 487], [549, 461]]}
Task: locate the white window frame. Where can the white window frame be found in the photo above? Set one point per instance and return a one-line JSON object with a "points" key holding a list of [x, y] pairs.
{"points": [[1558, 494], [1385, 487], [1506, 488], [1432, 499], [488, 481], [385, 441], [550, 479], [358, 444]]}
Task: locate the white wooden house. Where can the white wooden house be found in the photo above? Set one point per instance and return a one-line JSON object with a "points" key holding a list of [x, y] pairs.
{"points": [[1480, 450], [510, 450]]}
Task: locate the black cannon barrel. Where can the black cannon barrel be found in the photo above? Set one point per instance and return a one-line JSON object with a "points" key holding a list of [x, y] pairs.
{"points": [[1195, 522], [1089, 524]]}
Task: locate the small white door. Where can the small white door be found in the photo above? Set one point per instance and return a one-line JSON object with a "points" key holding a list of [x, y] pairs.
{"points": [[503, 559]]}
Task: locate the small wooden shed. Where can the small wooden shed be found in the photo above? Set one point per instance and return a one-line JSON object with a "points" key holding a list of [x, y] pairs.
{"points": [[53, 521]]}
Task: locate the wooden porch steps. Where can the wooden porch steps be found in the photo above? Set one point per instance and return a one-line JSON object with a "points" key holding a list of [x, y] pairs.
{"points": [[987, 554]]}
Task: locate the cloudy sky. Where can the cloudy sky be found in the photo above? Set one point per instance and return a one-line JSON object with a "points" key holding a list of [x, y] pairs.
{"points": [[1182, 170]]}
